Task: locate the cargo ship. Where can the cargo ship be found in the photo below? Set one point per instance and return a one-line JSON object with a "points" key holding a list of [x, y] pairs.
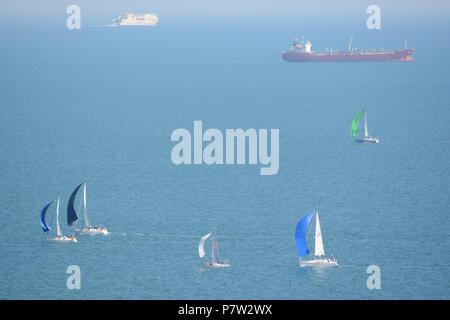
{"points": [[301, 52]]}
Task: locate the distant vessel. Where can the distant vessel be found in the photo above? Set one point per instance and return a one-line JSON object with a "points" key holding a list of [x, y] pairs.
{"points": [[214, 254], [301, 235], [129, 19], [301, 52], [354, 130], [72, 216], [46, 228]]}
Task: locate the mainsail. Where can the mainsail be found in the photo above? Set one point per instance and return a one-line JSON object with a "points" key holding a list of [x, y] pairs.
{"points": [[318, 246], [355, 123], [44, 225], [300, 234], [58, 229], [201, 245], [366, 132], [71, 214], [86, 221]]}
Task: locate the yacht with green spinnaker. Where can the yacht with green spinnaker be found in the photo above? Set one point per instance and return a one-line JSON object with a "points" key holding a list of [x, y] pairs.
{"points": [[354, 130]]}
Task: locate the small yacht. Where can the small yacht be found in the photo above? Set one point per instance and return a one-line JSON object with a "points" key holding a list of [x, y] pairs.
{"points": [[301, 235], [88, 228], [214, 252], [354, 130], [46, 227]]}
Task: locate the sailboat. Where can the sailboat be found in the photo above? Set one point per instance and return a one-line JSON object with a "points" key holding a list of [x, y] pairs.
{"points": [[72, 215], [354, 130], [302, 247], [46, 228], [214, 252]]}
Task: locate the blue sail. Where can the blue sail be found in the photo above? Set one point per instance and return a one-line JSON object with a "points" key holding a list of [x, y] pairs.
{"points": [[44, 225], [300, 234], [71, 214]]}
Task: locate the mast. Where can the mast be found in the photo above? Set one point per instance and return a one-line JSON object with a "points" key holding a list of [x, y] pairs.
{"points": [[86, 221], [366, 132], [215, 249], [350, 43], [212, 247], [318, 247], [58, 228]]}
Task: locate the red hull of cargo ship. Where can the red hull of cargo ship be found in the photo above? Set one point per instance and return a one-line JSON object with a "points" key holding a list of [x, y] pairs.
{"points": [[401, 55]]}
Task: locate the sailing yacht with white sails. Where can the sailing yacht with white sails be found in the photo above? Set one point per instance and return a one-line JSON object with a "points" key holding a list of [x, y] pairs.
{"points": [[88, 229], [214, 252], [46, 227], [354, 130], [301, 235]]}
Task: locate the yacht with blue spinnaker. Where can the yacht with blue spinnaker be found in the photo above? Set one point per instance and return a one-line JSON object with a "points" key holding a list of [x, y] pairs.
{"points": [[46, 227], [301, 236]]}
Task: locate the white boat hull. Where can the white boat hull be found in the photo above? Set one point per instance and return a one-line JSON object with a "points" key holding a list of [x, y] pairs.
{"points": [[319, 263], [93, 231], [63, 239], [367, 140], [216, 264]]}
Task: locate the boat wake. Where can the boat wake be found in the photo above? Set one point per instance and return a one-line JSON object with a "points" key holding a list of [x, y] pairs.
{"points": [[124, 234], [98, 26]]}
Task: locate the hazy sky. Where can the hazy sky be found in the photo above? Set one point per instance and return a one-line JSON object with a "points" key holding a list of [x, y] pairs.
{"points": [[223, 7]]}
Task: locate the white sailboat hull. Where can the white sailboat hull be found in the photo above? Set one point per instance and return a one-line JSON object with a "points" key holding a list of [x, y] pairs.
{"points": [[216, 264], [319, 263], [367, 140], [63, 239]]}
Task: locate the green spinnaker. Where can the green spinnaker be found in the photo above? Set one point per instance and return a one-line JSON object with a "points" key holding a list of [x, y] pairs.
{"points": [[355, 123]]}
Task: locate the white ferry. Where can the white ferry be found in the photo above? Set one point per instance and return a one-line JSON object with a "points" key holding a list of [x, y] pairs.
{"points": [[129, 19]]}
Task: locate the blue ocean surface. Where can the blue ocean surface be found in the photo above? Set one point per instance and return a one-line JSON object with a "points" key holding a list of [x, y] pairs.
{"points": [[99, 105]]}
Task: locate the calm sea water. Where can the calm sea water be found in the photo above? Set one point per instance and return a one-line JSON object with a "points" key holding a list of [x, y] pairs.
{"points": [[99, 105]]}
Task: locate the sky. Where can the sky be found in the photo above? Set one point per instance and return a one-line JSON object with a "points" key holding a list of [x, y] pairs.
{"points": [[223, 7]]}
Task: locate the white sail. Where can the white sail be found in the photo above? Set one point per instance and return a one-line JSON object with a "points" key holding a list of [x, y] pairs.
{"points": [[366, 132], [201, 245], [318, 248], [58, 228], [86, 221]]}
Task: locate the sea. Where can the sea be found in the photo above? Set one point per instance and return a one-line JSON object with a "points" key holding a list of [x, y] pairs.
{"points": [[99, 105]]}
